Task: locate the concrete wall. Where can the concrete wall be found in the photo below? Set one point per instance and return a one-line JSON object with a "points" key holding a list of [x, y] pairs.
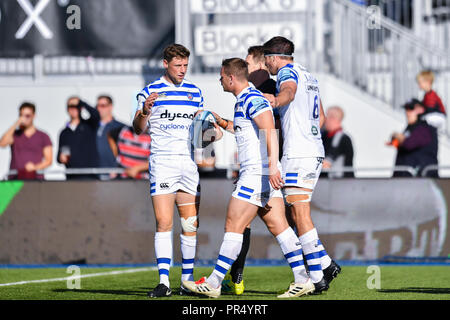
{"points": [[113, 222]]}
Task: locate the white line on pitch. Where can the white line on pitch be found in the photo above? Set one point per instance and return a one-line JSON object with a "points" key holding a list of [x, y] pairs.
{"points": [[110, 273]]}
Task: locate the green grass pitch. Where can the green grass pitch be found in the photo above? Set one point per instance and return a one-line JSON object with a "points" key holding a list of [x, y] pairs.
{"points": [[261, 283]]}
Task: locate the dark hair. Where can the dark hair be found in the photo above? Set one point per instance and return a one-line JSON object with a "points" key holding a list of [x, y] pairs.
{"points": [[257, 52], [27, 105], [176, 50], [108, 98], [236, 67], [279, 45]]}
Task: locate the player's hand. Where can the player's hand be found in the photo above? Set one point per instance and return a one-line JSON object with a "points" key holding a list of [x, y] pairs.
{"points": [[271, 98], [326, 164], [148, 104], [218, 132], [216, 116], [275, 179]]}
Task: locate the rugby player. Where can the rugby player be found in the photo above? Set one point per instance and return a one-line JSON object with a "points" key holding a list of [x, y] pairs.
{"points": [[259, 76], [258, 189], [168, 106], [301, 112]]}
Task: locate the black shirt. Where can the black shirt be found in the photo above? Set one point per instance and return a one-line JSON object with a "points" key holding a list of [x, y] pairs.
{"points": [[81, 141]]}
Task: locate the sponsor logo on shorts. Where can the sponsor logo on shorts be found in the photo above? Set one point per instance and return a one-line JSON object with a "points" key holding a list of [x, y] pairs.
{"points": [[263, 196], [310, 176], [314, 130], [164, 185]]}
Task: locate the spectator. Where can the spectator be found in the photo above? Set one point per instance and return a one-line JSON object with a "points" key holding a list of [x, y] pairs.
{"points": [[107, 123], [77, 141], [31, 149], [435, 114], [418, 144], [131, 151], [338, 145]]}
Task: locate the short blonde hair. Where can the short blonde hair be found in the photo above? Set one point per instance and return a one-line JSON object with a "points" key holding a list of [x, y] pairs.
{"points": [[427, 75]]}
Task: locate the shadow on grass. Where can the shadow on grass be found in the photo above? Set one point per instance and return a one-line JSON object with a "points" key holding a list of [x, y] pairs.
{"points": [[116, 292], [417, 290]]}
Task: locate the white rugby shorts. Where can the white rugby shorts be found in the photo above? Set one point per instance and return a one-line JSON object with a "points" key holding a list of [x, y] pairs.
{"points": [[255, 189], [168, 174], [301, 172]]}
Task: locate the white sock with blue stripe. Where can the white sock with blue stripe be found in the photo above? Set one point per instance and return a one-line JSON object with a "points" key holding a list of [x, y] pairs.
{"points": [[188, 246], [325, 260], [229, 251], [310, 244], [163, 251], [292, 251]]}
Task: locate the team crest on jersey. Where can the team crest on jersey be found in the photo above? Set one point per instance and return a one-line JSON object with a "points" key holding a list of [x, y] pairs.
{"points": [[162, 95], [190, 96]]}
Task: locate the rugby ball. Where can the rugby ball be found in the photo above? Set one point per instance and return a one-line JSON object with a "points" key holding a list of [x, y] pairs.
{"points": [[201, 129]]}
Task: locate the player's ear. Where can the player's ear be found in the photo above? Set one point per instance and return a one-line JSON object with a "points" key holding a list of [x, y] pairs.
{"points": [[165, 64]]}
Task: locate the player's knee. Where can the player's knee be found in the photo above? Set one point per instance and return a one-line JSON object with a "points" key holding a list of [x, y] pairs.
{"points": [[164, 225], [294, 196], [189, 225]]}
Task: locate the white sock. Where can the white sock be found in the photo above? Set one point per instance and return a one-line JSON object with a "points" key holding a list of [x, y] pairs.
{"points": [[188, 246], [292, 251], [310, 244], [163, 251], [229, 251], [325, 260]]}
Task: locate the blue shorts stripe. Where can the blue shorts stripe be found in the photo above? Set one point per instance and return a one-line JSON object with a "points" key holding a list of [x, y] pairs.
{"points": [[315, 267], [293, 254], [152, 191], [291, 174], [185, 261], [291, 181], [153, 184], [296, 264], [247, 189], [163, 260], [239, 115], [226, 259], [163, 271], [221, 269], [244, 195], [187, 271]]}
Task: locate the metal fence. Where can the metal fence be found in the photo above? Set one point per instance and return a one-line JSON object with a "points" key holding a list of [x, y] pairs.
{"points": [[359, 172]]}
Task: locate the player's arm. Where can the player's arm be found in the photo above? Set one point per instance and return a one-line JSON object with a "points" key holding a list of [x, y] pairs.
{"points": [[141, 116], [225, 124], [287, 93], [264, 121]]}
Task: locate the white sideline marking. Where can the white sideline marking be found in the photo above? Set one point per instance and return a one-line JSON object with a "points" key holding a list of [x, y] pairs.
{"points": [[110, 273]]}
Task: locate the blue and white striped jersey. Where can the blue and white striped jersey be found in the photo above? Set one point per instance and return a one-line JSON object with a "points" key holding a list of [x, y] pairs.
{"points": [[300, 119], [172, 115], [252, 151]]}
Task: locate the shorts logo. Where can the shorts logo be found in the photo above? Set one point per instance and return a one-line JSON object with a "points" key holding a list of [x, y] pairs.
{"points": [[164, 185], [263, 196], [314, 130], [310, 176]]}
